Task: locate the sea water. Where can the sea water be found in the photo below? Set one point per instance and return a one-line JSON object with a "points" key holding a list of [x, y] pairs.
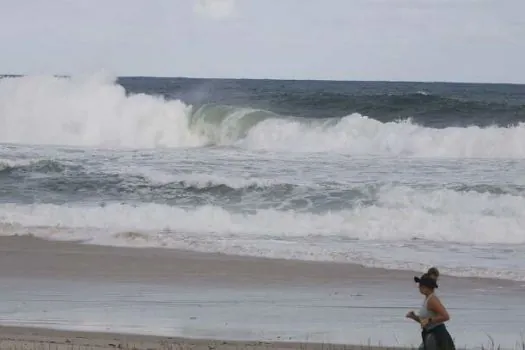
{"points": [[393, 175]]}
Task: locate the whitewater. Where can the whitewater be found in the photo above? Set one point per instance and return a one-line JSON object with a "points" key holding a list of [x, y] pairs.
{"points": [[88, 158], [95, 112]]}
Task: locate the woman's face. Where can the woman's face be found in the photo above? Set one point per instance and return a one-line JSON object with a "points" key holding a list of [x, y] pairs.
{"points": [[424, 290]]}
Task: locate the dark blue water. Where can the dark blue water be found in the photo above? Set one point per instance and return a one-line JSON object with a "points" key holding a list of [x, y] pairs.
{"points": [[435, 105]]}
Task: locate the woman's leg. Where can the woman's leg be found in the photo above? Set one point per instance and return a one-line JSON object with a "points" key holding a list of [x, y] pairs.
{"points": [[444, 340], [430, 342]]}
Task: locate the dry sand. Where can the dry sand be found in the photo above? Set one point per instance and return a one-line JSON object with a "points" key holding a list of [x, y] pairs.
{"points": [[37, 338]]}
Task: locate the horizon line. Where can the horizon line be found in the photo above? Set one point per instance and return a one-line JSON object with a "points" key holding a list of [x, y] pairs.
{"points": [[282, 79]]}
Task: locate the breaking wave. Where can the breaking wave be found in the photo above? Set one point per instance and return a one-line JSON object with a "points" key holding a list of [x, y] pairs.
{"points": [[97, 112]]}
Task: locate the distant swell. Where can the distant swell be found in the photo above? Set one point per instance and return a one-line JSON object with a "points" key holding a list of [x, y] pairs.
{"points": [[386, 106], [96, 112]]}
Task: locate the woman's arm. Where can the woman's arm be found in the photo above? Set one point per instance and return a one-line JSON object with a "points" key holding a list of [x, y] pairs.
{"points": [[411, 315]]}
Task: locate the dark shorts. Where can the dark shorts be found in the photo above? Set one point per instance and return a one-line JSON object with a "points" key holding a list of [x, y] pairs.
{"points": [[437, 338]]}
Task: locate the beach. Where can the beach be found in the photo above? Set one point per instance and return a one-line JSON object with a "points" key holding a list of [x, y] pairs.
{"points": [[34, 338], [148, 294]]}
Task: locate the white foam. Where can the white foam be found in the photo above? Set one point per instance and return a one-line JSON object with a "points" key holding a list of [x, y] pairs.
{"points": [[91, 111], [201, 181], [401, 214], [359, 135], [11, 163], [414, 227], [96, 112]]}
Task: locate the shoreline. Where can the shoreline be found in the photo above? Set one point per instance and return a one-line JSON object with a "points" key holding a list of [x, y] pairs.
{"points": [[66, 285], [32, 257]]}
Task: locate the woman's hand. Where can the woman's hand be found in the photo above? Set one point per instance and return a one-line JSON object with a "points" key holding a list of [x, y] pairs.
{"points": [[411, 315], [424, 322]]}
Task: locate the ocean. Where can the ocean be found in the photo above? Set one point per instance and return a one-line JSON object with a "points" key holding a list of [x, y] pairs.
{"points": [[383, 174]]}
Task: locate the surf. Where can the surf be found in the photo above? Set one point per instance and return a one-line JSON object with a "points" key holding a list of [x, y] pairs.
{"points": [[95, 111]]}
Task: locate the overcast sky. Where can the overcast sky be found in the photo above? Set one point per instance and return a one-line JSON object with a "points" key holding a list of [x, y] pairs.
{"points": [[437, 40]]}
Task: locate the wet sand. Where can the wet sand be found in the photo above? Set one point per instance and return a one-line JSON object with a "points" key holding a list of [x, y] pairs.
{"points": [[32, 259]]}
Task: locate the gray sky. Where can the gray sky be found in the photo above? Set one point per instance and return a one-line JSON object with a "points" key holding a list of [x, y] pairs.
{"points": [[437, 40]]}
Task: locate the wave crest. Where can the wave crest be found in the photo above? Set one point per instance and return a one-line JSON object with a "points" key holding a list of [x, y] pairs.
{"points": [[8, 166], [96, 112]]}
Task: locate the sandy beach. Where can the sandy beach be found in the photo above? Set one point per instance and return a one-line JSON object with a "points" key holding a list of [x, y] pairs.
{"points": [[36, 258], [32, 257], [148, 297], [34, 338]]}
